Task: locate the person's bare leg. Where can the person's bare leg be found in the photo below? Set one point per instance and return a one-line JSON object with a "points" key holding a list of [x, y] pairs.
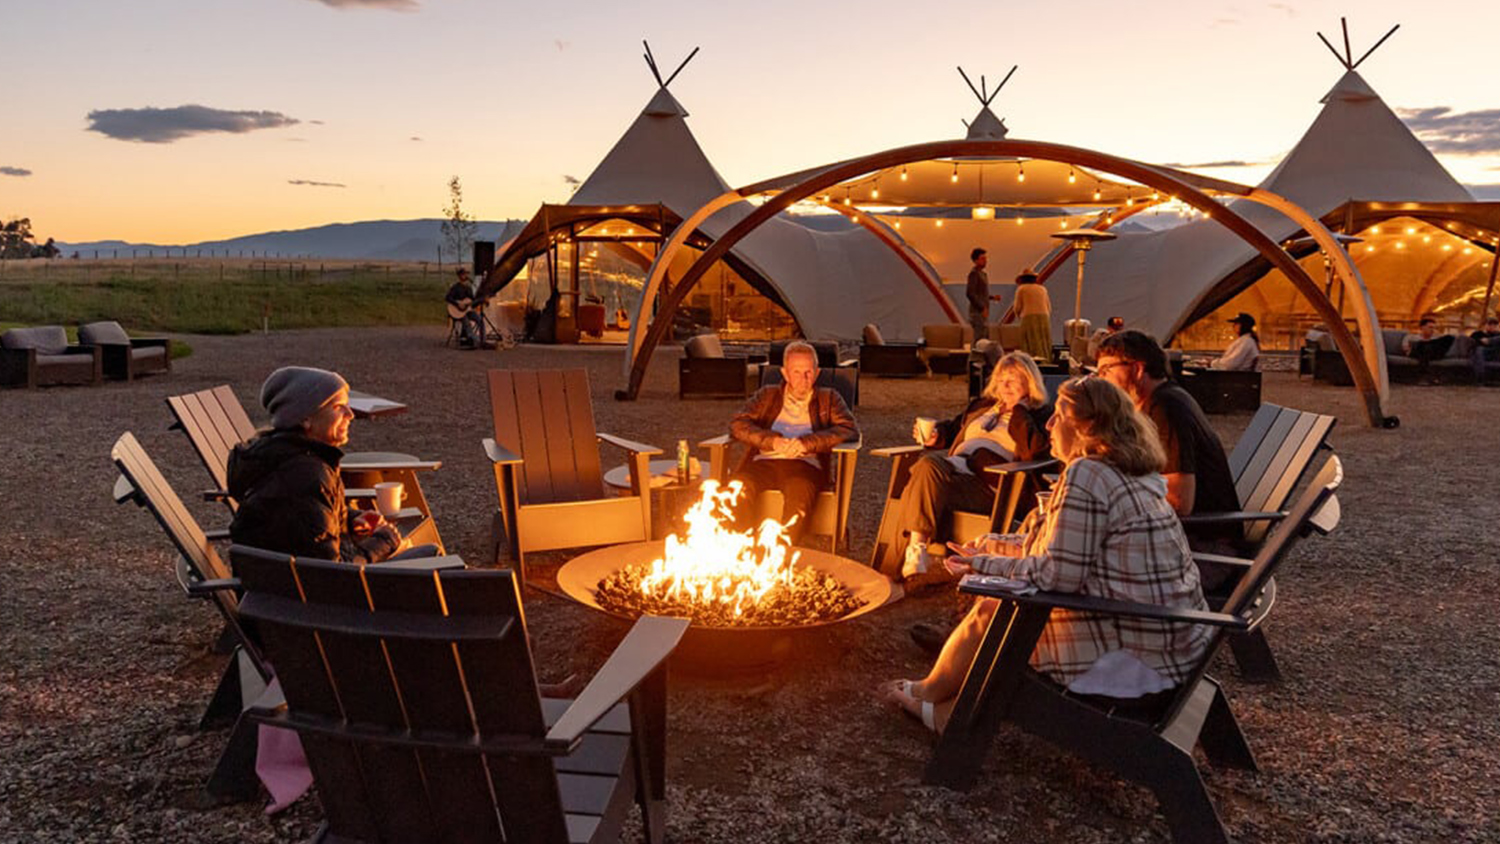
{"points": [[947, 675]]}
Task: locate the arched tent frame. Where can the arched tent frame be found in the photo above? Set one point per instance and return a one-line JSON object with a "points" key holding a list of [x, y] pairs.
{"points": [[794, 188]]}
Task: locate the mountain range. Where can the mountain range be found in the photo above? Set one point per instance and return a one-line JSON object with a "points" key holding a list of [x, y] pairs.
{"points": [[378, 240]]}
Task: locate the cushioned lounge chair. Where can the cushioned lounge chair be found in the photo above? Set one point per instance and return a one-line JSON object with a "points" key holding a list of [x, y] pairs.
{"points": [[40, 356], [125, 357]]}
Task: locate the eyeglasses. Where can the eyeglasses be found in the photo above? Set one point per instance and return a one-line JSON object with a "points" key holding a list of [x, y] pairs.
{"points": [[1105, 367]]}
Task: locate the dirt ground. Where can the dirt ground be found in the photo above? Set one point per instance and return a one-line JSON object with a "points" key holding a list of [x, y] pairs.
{"points": [[1384, 728]]}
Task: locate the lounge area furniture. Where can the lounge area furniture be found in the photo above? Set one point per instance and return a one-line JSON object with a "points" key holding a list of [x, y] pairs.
{"points": [[829, 515], [1151, 745], [125, 357], [1321, 359], [881, 359], [945, 348], [40, 356], [704, 372], [1222, 390], [545, 456], [416, 699]]}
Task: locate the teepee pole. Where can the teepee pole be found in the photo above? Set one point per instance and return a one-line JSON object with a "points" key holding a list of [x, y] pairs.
{"points": [[1489, 289], [1377, 46]]}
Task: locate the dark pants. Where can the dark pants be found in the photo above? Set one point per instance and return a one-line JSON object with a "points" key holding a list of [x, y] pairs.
{"points": [[1427, 351], [934, 488], [472, 324], [1483, 355], [799, 483], [979, 321]]}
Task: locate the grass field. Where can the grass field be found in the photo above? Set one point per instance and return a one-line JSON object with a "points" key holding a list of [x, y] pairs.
{"points": [[221, 295]]}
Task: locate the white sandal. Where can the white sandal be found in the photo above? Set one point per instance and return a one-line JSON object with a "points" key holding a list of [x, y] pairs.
{"points": [[928, 709]]}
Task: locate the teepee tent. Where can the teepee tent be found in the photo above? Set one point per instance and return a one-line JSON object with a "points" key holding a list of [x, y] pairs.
{"points": [[1357, 154]]}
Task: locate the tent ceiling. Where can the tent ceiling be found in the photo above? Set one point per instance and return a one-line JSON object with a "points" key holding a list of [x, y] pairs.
{"points": [[1006, 182]]}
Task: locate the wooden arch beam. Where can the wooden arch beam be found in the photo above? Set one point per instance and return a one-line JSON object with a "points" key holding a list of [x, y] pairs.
{"points": [[1162, 180]]}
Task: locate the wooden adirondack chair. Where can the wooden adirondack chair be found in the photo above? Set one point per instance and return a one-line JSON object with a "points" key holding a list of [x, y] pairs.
{"points": [[215, 422], [829, 515], [960, 525], [545, 455], [1154, 750], [1268, 462], [416, 700]]}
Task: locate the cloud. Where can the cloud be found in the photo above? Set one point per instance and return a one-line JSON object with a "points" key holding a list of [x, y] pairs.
{"points": [[390, 5], [165, 125], [312, 184], [561, 44], [414, 138], [1461, 133], [1203, 165], [1485, 193], [14, 171], [316, 122]]}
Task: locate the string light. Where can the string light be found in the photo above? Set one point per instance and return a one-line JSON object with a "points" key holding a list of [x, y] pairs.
{"points": [[1020, 171], [1400, 244], [1072, 177], [875, 191], [898, 225], [954, 178], [1063, 224], [940, 222], [1019, 219], [1097, 191], [903, 172], [1411, 229]]}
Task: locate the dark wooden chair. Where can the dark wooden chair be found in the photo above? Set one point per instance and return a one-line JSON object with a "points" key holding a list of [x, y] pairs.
{"points": [[1222, 390], [1270, 459], [959, 525], [548, 479], [204, 576], [40, 356], [416, 700], [1150, 748], [215, 422], [829, 515], [705, 372], [124, 357]]}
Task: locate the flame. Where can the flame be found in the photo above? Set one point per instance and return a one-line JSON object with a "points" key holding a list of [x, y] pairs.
{"points": [[714, 564]]}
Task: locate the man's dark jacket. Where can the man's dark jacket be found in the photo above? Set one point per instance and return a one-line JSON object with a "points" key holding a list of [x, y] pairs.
{"points": [[832, 423], [291, 500]]}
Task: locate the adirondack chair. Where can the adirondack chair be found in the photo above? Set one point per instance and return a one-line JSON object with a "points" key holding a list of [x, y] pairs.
{"points": [[829, 515], [204, 576], [416, 700], [215, 422], [1268, 462], [959, 525], [1154, 749], [545, 455]]}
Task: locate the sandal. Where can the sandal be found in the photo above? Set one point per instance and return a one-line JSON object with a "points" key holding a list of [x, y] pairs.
{"points": [[900, 693]]}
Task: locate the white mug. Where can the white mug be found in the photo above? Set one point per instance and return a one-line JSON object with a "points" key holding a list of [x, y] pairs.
{"points": [[926, 425], [388, 495]]}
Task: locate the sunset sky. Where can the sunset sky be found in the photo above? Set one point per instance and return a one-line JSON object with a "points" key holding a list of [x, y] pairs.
{"points": [[308, 112]]}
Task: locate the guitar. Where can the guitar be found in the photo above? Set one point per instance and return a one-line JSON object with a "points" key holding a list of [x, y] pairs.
{"points": [[464, 307]]}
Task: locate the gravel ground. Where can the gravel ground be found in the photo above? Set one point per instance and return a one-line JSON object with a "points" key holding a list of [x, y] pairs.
{"points": [[1384, 729]]}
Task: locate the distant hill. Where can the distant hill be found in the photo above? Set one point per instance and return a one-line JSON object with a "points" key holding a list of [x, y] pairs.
{"points": [[385, 240]]}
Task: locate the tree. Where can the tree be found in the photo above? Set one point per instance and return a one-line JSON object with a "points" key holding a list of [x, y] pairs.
{"points": [[16, 238], [459, 229]]}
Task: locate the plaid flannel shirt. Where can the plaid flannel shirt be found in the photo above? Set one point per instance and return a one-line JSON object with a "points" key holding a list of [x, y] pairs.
{"points": [[1112, 536]]}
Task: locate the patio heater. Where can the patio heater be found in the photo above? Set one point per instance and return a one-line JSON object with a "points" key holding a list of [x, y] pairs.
{"points": [[1082, 240]]}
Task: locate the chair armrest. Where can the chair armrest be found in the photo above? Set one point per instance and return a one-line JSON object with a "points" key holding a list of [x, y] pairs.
{"points": [[216, 534], [1230, 516], [497, 454], [644, 649], [218, 495], [1223, 560], [451, 561], [148, 342], [388, 465], [205, 588], [1106, 606], [629, 445], [851, 363], [847, 447], [893, 450], [722, 439], [358, 493], [1024, 466]]}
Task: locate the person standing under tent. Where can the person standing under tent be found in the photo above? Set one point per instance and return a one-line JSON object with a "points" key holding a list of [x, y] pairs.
{"points": [[1034, 310], [978, 294], [1244, 353]]}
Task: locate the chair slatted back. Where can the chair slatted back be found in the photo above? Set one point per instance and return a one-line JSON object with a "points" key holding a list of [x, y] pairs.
{"points": [[377, 656], [547, 417], [1271, 458], [156, 495], [215, 422]]}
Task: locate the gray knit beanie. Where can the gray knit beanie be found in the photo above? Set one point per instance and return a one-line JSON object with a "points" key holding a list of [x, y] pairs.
{"points": [[294, 393]]}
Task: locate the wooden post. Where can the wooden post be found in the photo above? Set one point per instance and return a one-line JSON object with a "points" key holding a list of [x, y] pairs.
{"points": [[1489, 289]]}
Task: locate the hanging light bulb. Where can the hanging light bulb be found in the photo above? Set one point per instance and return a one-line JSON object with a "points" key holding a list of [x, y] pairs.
{"points": [[874, 193], [1020, 171], [1019, 218], [898, 225], [1063, 224], [1096, 191], [954, 177], [1411, 229], [940, 222], [903, 172], [1072, 177], [982, 212]]}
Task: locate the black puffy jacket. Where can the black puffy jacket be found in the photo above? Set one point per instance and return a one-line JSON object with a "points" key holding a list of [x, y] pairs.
{"points": [[291, 500]]}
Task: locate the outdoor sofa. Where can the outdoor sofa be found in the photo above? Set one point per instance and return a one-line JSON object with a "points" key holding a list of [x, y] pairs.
{"points": [[124, 356], [41, 356], [1322, 360]]}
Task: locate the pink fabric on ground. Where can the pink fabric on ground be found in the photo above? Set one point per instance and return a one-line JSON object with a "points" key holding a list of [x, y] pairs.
{"points": [[280, 764]]}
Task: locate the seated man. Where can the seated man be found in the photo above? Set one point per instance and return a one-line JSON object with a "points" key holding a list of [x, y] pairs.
{"points": [[1486, 347], [1244, 353], [1196, 469], [1426, 345], [287, 483], [461, 306], [789, 430]]}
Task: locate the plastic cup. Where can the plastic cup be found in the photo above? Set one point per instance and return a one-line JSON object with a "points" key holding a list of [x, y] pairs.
{"points": [[926, 425], [388, 495]]}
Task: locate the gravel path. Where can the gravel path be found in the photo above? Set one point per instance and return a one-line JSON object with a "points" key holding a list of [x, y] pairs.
{"points": [[1385, 728]]}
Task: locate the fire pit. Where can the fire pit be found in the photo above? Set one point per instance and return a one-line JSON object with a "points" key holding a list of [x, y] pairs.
{"points": [[748, 593]]}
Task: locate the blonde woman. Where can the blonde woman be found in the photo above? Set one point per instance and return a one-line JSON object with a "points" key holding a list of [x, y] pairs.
{"points": [[1034, 310], [1007, 422], [1105, 530]]}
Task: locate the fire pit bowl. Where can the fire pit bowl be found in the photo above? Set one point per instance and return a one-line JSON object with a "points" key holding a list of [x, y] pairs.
{"points": [[724, 650]]}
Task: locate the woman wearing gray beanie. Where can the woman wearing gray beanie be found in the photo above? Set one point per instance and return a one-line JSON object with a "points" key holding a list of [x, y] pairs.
{"points": [[287, 482]]}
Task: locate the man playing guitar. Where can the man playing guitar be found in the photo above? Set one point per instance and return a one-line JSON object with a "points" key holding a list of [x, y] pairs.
{"points": [[467, 311]]}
